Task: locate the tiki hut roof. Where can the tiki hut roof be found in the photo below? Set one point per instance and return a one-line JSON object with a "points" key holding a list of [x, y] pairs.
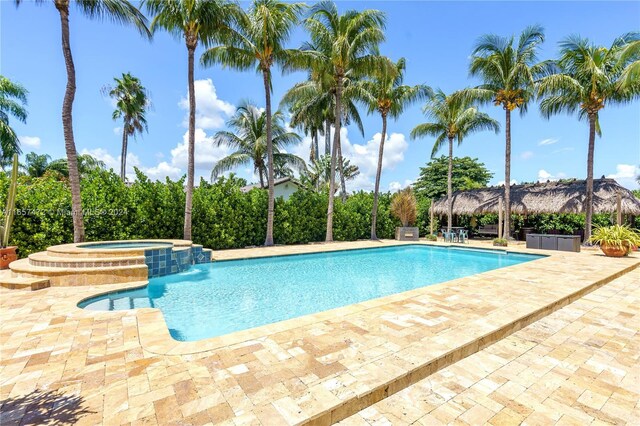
{"points": [[547, 197]]}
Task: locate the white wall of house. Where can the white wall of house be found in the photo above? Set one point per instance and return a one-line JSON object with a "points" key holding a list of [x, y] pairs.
{"points": [[285, 189]]}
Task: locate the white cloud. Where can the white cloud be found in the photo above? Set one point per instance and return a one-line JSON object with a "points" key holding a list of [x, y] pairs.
{"points": [[206, 154], [162, 170], [549, 141], [366, 157], [117, 131], [396, 186], [30, 141], [626, 175], [544, 176], [211, 112], [526, 155]]}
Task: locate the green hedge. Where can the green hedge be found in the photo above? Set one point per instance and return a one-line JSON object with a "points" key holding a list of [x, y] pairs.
{"points": [[223, 216]]}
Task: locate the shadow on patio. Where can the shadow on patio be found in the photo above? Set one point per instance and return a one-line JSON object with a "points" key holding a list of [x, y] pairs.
{"points": [[42, 408]]}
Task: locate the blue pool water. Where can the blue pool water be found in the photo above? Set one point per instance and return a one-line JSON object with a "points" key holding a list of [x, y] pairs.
{"points": [[124, 245], [218, 298]]}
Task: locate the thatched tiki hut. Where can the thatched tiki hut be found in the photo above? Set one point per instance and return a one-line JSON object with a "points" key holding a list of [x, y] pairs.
{"points": [[548, 197]]}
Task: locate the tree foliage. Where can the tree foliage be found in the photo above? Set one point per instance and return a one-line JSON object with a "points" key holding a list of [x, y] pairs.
{"points": [[467, 173]]}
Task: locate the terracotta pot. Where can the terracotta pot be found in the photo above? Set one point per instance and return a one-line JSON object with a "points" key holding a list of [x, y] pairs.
{"points": [[7, 255], [613, 251]]}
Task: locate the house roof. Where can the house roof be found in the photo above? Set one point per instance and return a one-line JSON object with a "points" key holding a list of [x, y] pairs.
{"points": [[546, 197], [275, 183]]}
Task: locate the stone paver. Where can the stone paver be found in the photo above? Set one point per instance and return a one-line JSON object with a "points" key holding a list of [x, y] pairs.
{"points": [[59, 363], [579, 365]]}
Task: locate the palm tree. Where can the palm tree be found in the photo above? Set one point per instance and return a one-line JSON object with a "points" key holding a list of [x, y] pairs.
{"points": [[507, 69], [36, 164], [13, 100], [453, 118], [249, 140], [314, 100], [197, 21], [389, 97], [120, 11], [131, 105], [347, 45], [585, 79], [259, 42], [86, 164], [317, 172]]}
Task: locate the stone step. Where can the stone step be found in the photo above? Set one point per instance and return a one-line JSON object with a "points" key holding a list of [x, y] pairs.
{"points": [[46, 259], [17, 283], [72, 276]]}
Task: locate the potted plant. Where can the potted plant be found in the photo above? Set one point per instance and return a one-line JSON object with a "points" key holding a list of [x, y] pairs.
{"points": [[8, 254], [500, 242], [404, 207], [615, 240]]}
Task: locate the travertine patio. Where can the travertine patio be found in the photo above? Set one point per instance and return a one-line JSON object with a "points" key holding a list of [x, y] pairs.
{"points": [[579, 365], [122, 367]]}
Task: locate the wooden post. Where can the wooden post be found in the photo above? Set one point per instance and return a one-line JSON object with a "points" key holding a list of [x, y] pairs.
{"points": [[619, 208], [499, 217], [431, 217]]}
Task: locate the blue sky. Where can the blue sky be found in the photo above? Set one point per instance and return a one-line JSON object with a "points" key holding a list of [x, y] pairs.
{"points": [[436, 39]]}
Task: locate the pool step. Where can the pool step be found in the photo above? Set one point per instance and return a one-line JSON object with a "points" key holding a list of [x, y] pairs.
{"points": [[46, 259], [17, 283], [73, 275]]}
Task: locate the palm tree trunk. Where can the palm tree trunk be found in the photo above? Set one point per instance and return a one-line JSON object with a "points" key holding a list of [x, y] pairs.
{"points": [[123, 155], [334, 155], [316, 144], [67, 125], [313, 153], [588, 208], [507, 177], [374, 211], [327, 137], [267, 88], [450, 187], [343, 184], [191, 148]]}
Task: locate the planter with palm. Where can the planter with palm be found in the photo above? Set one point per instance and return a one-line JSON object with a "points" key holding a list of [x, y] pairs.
{"points": [[346, 44], [13, 100], [197, 22], [404, 206], [132, 103], [389, 97], [585, 79], [121, 11], [249, 142], [259, 43], [507, 68], [453, 118]]}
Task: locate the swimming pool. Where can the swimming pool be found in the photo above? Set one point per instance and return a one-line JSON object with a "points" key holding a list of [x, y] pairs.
{"points": [[218, 298]]}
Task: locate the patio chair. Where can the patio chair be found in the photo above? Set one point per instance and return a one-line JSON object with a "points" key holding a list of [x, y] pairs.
{"points": [[463, 236]]}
